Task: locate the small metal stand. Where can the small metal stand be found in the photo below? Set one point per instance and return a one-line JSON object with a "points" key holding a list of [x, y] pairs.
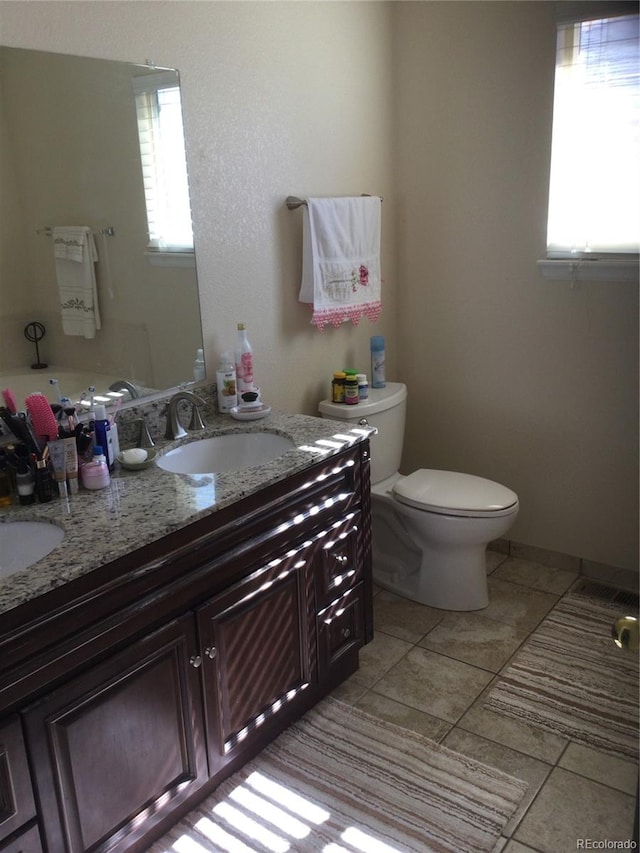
{"points": [[35, 332]]}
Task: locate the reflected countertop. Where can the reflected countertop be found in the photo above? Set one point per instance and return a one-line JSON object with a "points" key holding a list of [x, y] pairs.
{"points": [[139, 507]]}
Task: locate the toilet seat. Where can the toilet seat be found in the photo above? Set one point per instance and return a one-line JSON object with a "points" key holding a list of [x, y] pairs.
{"points": [[452, 493]]}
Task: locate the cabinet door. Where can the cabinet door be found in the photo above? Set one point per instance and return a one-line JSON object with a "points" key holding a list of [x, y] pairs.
{"points": [[119, 746], [27, 842], [257, 654], [16, 796]]}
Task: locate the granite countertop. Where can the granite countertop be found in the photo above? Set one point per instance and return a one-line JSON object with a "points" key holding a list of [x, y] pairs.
{"points": [[139, 507]]}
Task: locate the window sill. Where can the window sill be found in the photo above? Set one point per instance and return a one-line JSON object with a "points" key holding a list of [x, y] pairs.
{"points": [[171, 259], [588, 270]]}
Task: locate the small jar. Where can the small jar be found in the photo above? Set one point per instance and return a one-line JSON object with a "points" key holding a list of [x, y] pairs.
{"points": [[363, 387], [351, 390], [337, 387], [95, 474], [25, 483]]}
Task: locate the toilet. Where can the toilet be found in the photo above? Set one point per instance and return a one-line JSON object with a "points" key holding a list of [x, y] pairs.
{"points": [[430, 529]]}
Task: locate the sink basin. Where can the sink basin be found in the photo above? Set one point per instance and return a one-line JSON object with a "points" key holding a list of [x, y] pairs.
{"points": [[23, 543], [231, 452]]}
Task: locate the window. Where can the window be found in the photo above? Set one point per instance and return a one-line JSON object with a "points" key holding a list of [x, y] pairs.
{"points": [[594, 195], [164, 165]]}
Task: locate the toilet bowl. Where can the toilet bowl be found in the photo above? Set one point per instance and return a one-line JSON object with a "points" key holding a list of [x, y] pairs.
{"points": [[448, 532], [430, 529]]}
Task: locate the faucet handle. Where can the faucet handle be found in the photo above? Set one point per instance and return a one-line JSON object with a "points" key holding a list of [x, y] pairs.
{"points": [[144, 436]]}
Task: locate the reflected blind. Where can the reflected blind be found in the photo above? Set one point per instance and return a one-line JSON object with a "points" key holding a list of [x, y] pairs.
{"points": [[163, 160], [594, 200]]}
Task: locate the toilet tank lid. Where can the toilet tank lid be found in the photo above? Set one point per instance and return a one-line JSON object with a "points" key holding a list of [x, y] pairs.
{"points": [[451, 490], [379, 400]]}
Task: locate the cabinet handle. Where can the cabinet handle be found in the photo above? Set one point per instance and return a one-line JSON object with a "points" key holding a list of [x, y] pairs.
{"points": [[195, 661], [211, 652], [341, 558], [346, 633]]}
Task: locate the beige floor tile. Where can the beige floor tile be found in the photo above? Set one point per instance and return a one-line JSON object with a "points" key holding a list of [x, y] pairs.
{"points": [[516, 847], [403, 715], [516, 604], [518, 735], [500, 845], [544, 557], [474, 639], [535, 575], [530, 770], [350, 691], [570, 808], [494, 559], [616, 772], [377, 657], [403, 618], [433, 683]]}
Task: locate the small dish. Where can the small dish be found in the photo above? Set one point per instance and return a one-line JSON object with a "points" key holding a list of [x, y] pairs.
{"points": [[253, 414], [139, 466]]}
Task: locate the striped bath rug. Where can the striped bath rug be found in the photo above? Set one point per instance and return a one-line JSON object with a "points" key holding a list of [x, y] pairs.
{"points": [[570, 679], [341, 780]]}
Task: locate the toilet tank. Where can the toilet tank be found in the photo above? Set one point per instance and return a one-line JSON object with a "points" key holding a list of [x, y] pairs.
{"points": [[386, 410]]}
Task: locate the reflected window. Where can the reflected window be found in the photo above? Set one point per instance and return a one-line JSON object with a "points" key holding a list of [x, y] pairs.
{"points": [[164, 164]]}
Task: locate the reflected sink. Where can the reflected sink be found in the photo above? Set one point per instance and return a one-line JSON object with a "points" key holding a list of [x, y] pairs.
{"points": [[231, 452], [23, 543]]}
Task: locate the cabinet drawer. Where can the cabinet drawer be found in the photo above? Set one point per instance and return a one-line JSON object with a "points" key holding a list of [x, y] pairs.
{"points": [[341, 632], [338, 568], [16, 796]]}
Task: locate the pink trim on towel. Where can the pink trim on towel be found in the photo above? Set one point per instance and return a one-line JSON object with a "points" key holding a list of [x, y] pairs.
{"points": [[354, 313]]}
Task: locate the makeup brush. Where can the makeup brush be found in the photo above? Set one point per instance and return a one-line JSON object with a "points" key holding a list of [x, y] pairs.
{"points": [[10, 400]]}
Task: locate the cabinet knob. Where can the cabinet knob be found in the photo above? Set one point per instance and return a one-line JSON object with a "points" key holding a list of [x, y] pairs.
{"points": [[211, 652], [346, 633], [195, 660], [341, 558]]}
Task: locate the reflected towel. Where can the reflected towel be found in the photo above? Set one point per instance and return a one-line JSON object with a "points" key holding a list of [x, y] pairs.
{"points": [[75, 256], [341, 259]]}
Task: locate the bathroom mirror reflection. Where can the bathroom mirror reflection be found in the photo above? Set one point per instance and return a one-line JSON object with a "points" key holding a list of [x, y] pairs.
{"points": [[70, 155]]}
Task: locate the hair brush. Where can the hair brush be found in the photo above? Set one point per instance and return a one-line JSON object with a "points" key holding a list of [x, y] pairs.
{"points": [[43, 420], [10, 400]]}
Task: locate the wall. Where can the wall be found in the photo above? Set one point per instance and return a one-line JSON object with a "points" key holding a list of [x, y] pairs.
{"points": [[448, 107], [529, 382]]}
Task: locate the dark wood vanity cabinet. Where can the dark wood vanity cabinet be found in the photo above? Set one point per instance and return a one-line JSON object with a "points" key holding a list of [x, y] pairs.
{"points": [[191, 662]]}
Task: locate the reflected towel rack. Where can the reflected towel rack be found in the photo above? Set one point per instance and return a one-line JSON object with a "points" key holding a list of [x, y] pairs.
{"points": [[48, 231], [294, 202]]}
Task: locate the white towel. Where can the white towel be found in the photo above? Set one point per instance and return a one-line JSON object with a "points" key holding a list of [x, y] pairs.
{"points": [[75, 256], [341, 259]]}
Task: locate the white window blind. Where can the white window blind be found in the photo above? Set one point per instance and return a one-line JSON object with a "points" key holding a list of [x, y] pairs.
{"points": [[594, 200], [163, 159]]}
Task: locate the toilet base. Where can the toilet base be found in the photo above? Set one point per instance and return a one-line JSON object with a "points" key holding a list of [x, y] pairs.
{"points": [[469, 592]]}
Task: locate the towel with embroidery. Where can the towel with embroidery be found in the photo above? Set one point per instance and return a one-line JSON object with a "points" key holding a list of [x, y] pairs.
{"points": [[75, 256], [341, 259]]}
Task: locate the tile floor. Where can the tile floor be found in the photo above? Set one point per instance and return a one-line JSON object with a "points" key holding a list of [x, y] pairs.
{"points": [[429, 670]]}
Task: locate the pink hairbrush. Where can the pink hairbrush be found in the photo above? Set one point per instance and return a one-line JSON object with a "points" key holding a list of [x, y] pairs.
{"points": [[43, 420], [10, 400]]}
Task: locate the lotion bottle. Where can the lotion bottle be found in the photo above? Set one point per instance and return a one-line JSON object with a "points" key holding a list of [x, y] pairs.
{"points": [[226, 383], [244, 360]]}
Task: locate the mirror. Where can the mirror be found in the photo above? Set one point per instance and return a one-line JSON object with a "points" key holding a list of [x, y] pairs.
{"points": [[70, 155]]}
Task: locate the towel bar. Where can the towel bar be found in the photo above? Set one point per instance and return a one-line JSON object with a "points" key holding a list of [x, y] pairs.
{"points": [[294, 202], [110, 231]]}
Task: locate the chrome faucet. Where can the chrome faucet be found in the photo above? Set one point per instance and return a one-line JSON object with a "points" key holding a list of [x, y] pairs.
{"points": [[125, 385], [174, 427]]}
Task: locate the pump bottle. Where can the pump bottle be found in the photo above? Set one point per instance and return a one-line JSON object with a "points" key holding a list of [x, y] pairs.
{"points": [[244, 360]]}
